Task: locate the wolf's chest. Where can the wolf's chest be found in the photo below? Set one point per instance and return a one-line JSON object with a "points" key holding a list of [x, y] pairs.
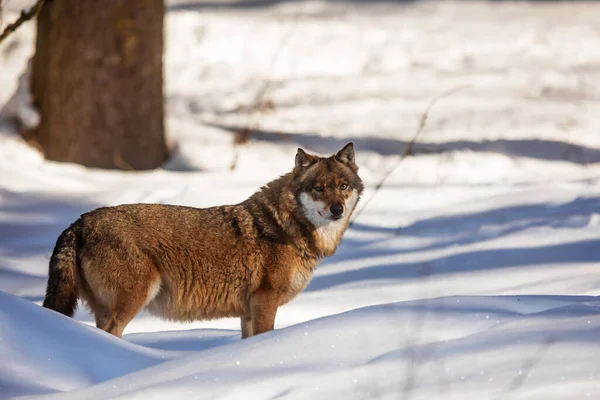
{"points": [[328, 236], [299, 278]]}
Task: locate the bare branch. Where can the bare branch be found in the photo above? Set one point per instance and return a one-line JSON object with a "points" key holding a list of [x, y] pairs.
{"points": [[528, 366], [408, 148], [24, 17]]}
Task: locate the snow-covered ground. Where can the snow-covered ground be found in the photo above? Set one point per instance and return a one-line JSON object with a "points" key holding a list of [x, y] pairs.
{"points": [[473, 274]]}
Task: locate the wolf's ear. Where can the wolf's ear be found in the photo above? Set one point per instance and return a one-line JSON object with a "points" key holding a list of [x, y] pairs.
{"points": [[346, 155], [303, 159]]}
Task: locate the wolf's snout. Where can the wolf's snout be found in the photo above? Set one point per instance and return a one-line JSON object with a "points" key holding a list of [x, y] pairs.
{"points": [[336, 210]]}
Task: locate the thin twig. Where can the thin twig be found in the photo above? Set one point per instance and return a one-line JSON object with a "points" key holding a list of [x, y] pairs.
{"points": [[408, 148], [528, 366], [24, 17], [416, 359]]}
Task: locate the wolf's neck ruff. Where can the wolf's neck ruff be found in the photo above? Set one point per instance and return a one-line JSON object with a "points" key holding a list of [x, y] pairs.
{"points": [[279, 216]]}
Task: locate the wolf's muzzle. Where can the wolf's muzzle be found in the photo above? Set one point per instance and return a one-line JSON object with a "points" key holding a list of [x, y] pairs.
{"points": [[336, 210]]}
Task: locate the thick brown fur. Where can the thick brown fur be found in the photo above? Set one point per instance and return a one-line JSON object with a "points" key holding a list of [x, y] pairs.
{"points": [[186, 264]]}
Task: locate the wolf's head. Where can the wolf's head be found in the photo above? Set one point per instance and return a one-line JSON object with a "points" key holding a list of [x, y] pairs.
{"points": [[328, 188]]}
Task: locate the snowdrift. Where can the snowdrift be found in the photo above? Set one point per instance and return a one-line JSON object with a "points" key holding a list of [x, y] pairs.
{"points": [[44, 352], [484, 347]]}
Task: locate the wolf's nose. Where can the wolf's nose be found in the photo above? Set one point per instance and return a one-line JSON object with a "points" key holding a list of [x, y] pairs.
{"points": [[336, 209]]}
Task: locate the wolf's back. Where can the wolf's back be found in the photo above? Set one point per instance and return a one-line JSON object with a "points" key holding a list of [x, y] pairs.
{"points": [[61, 291]]}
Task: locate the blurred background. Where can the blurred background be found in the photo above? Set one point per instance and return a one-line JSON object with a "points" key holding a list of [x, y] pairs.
{"points": [[474, 252], [241, 78]]}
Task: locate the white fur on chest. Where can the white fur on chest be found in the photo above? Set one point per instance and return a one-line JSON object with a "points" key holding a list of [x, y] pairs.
{"points": [[328, 236], [300, 278]]}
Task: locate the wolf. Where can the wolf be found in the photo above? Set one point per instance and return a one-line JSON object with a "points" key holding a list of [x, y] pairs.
{"points": [[185, 264]]}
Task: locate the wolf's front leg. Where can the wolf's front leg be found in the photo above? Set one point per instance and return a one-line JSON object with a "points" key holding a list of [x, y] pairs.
{"points": [[246, 326], [263, 307]]}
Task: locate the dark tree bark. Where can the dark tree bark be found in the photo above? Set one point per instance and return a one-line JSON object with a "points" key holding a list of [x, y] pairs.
{"points": [[97, 82]]}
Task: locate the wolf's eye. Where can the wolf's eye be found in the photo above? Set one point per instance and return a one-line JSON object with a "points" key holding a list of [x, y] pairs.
{"points": [[344, 186], [318, 188]]}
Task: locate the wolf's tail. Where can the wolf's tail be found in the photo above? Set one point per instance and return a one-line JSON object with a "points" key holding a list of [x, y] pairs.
{"points": [[61, 292]]}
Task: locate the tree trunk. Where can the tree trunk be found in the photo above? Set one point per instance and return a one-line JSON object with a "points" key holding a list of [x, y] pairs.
{"points": [[97, 82]]}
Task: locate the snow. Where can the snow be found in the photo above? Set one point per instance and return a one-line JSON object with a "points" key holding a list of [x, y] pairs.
{"points": [[453, 347], [470, 274]]}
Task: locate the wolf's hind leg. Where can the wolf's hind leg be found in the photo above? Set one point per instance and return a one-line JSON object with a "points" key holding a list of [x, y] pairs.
{"points": [[263, 307], [129, 300], [124, 308], [246, 326], [95, 304], [118, 286]]}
